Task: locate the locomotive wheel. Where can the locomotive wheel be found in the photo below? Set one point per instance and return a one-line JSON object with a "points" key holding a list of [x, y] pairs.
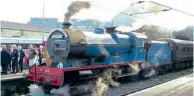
{"points": [[156, 69], [188, 65], [176, 66], [134, 77], [191, 64], [143, 74], [184, 65], [149, 73]]}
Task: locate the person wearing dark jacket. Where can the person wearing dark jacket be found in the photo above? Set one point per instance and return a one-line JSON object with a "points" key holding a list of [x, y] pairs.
{"points": [[40, 54], [14, 56], [5, 59], [21, 57]]}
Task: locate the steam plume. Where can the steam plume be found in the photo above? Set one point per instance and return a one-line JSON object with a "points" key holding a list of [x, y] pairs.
{"points": [[36, 90], [75, 7], [164, 19], [103, 83], [63, 91]]}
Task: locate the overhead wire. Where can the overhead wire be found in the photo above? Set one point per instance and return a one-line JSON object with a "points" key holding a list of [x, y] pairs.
{"points": [[164, 6], [110, 10], [150, 12], [132, 14]]}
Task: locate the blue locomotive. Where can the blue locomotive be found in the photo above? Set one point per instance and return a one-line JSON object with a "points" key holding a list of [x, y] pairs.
{"points": [[74, 53]]}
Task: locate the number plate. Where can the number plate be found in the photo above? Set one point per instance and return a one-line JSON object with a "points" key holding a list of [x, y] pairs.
{"points": [[57, 36]]}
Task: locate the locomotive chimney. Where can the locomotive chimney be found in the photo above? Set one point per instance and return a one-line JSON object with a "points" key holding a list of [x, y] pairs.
{"points": [[67, 25]]}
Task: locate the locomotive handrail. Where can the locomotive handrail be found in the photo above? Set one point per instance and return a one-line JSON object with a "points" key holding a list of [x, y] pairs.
{"points": [[31, 68]]}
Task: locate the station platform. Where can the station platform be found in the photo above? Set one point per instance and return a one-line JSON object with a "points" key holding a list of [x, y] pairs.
{"points": [[179, 87], [12, 76]]}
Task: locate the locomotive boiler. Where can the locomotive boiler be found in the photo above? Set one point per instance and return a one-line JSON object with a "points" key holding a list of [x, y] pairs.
{"points": [[68, 45]]}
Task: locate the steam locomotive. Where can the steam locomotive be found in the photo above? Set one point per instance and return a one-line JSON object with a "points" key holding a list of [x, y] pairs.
{"points": [[74, 53]]}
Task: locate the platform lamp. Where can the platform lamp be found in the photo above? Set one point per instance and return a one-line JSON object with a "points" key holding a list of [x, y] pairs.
{"points": [[171, 34]]}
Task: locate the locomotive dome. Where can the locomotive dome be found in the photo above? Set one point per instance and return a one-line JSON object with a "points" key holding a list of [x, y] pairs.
{"points": [[99, 30]]}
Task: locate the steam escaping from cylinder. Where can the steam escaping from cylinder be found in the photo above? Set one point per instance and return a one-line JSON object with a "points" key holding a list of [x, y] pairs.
{"points": [[101, 87], [36, 90], [135, 68], [151, 72], [82, 89], [97, 87], [75, 7], [63, 91], [104, 82]]}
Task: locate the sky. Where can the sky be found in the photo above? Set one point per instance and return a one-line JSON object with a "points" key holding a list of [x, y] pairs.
{"points": [[22, 10], [104, 10]]}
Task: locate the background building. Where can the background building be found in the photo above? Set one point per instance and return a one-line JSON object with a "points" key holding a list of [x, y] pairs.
{"points": [[89, 24], [48, 22], [76, 23], [21, 29]]}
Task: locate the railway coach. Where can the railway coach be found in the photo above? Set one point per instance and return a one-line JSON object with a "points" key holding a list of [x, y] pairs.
{"points": [[182, 52]]}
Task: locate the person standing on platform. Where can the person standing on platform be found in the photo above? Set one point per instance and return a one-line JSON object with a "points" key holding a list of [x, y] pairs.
{"points": [[40, 54], [5, 59], [0, 65], [14, 56], [33, 55], [10, 50], [21, 57]]}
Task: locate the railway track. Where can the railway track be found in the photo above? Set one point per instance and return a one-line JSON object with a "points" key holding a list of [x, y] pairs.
{"points": [[12, 86], [131, 87], [126, 86]]}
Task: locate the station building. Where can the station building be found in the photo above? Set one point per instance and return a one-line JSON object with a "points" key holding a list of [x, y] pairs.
{"points": [[21, 29]]}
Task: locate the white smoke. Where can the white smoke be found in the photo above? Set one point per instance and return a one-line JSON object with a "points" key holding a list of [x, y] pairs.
{"points": [[36, 90], [73, 91], [135, 68], [63, 91], [104, 82], [151, 72], [101, 87], [171, 20]]}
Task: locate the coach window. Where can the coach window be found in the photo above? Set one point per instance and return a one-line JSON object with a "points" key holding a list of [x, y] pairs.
{"points": [[188, 49], [184, 49], [176, 47]]}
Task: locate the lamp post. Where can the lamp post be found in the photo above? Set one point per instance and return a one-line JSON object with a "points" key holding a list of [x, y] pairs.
{"points": [[171, 35], [43, 21]]}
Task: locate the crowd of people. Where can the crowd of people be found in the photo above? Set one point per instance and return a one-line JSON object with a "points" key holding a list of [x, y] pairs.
{"points": [[13, 58]]}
